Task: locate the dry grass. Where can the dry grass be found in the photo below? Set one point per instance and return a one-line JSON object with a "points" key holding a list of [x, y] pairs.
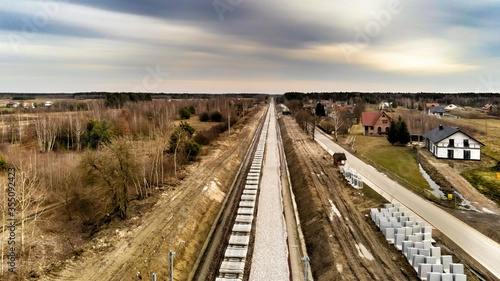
{"points": [[490, 134], [197, 124]]}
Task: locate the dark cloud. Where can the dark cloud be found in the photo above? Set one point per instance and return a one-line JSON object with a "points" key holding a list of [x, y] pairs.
{"points": [[191, 10], [252, 21], [27, 25]]}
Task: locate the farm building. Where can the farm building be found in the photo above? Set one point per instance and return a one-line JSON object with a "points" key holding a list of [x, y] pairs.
{"points": [[450, 143]]}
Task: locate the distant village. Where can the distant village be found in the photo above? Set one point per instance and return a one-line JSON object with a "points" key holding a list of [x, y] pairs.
{"points": [[426, 121]]}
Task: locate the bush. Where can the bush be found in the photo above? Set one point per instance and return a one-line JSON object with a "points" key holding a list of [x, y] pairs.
{"points": [[192, 110], [192, 150], [181, 135], [201, 138], [216, 116], [204, 117], [3, 164], [97, 133], [184, 113]]}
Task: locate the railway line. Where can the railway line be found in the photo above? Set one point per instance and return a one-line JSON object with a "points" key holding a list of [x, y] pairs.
{"points": [[231, 251], [235, 255]]}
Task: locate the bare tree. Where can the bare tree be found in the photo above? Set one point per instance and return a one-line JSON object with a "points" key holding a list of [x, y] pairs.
{"points": [[30, 196], [115, 169], [77, 128], [338, 119], [47, 129]]}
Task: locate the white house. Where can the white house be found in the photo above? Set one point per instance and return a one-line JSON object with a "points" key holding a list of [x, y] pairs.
{"points": [[451, 143], [437, 111]]}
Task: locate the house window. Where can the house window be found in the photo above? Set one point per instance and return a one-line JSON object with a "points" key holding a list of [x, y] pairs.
{"points": [[466, 143], [450, 154], [467, 154], [451, 143], [385, 121], [379, 130]]}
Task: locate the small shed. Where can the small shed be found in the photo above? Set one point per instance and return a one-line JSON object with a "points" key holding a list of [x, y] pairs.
{"points": [[339, 159]]}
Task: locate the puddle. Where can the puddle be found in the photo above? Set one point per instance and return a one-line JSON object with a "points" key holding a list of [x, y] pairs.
{"points": [[363, 252], [488, 211], [465, 203], [436, 189]]}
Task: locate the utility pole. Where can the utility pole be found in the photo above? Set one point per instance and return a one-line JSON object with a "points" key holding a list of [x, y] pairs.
{"points": [[172, 254]]}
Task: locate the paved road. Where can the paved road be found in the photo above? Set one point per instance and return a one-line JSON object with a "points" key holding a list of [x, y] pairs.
{"points": [[481, 248]]}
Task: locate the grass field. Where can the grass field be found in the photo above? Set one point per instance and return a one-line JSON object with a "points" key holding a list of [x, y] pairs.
{"points": [[396, 161]]}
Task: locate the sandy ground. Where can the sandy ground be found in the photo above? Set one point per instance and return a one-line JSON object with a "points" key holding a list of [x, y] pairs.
{"points": [[184, 213]]}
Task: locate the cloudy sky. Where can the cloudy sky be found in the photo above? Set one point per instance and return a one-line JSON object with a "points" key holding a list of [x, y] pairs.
{"points": [[219, 46]]}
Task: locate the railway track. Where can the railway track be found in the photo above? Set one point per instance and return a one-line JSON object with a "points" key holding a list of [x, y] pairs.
{"points": [[235, 256], [213, 254], [235, 251]]}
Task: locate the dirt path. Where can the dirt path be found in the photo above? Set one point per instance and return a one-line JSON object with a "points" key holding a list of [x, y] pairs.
{"points": [[462, 186], [341, 241], [185, 213]]}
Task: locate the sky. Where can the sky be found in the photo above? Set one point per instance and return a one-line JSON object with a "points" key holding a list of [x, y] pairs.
{"points": [[254, 46]]}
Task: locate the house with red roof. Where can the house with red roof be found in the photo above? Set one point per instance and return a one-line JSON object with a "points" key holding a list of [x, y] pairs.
{"points": [[431, 104], [375, 123]]}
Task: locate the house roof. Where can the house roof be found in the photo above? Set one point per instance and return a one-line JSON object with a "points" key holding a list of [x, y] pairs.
{"points": [[337, 156], [441, 132], [437, 109], [370, 118], [431, 104]]}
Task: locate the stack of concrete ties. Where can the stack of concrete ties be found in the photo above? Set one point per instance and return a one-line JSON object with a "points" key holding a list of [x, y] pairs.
{"points": [[414, 239]]}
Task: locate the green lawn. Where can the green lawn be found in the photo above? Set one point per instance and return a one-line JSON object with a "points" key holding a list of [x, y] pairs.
{"points": [[485, 180], [396, 161]]}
